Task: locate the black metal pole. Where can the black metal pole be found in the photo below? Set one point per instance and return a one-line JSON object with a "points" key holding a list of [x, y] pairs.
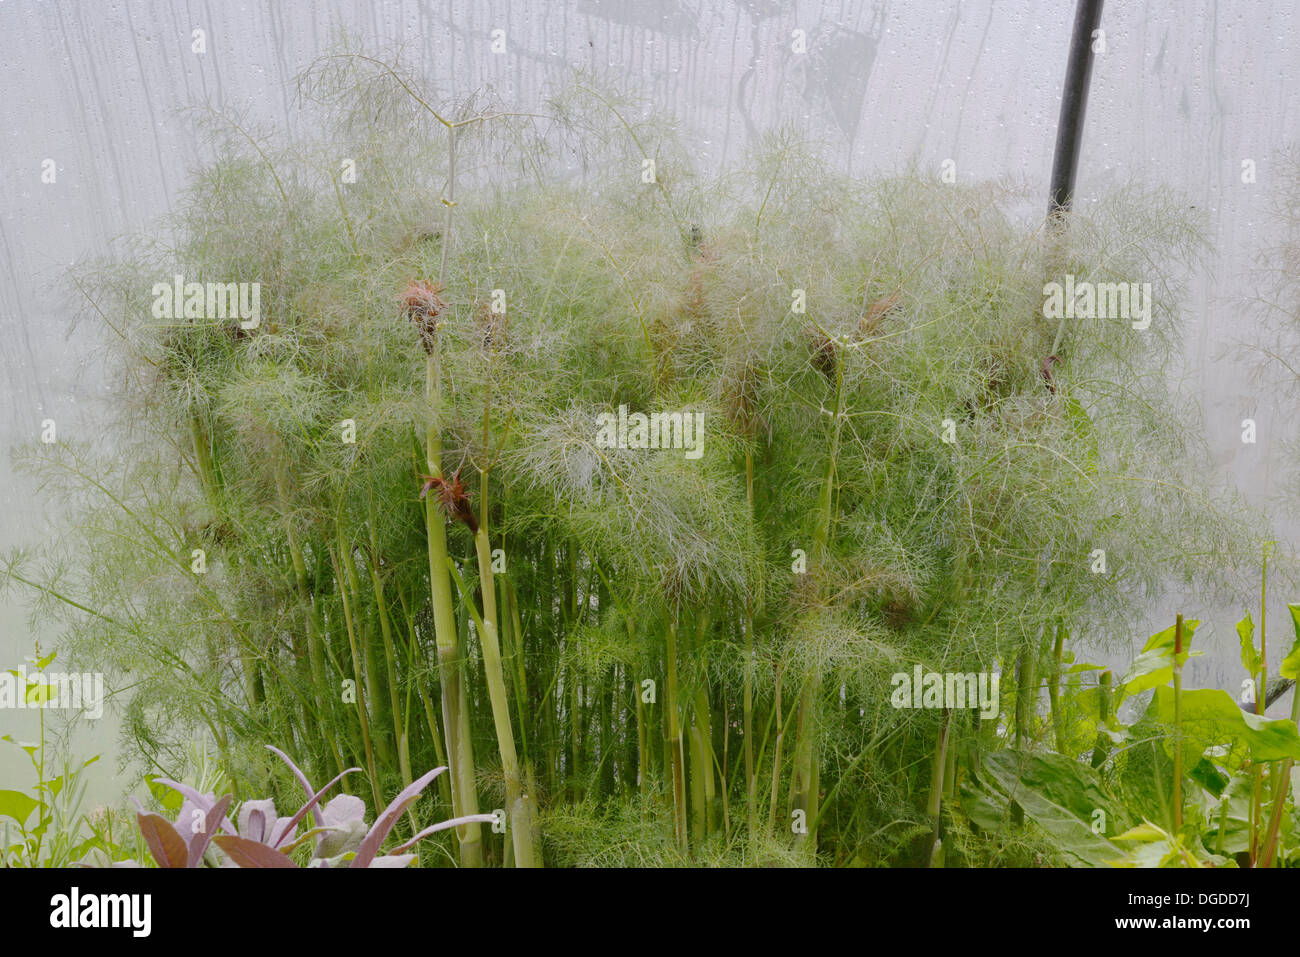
{"points": [[1074, 101]]}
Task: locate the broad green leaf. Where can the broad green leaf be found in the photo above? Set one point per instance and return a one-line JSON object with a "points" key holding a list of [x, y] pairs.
{"points": [[1158, 848], [1155, 665], [1152, 854], [169, 800], [1146, 831], [43, 663], [1060, 795], [1209, 776], [1290, 667], [1231, 811], [1250, 659], [17, 805], [985, 808], [1211, 717], [1164, 640]]}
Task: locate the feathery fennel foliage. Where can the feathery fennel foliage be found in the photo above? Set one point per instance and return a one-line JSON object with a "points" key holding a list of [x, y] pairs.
{"points": [[692, 648]]}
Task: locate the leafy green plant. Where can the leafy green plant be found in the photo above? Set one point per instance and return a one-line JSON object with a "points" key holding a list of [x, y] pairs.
{"points": [[382, 525], [50, 827], [1200, 739]]}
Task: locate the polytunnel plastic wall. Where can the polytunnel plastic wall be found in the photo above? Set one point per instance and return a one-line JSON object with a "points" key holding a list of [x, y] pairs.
{"points": [[1183, 94]]}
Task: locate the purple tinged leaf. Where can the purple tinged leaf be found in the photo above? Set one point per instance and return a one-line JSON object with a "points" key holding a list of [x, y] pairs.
{"points": [[302, 778], [345, 826], [167, 847], [311, 806], [278, 831], [204, 801], [302, 839], [444, 825], [199, 842], [248, 853], [393, 860], [344, 809], [370, 846], [253, 816]]}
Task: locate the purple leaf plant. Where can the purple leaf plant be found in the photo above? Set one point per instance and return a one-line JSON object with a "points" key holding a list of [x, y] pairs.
{"points": [[264, 839]]}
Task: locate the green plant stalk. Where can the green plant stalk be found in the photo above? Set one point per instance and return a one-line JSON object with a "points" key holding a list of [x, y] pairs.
{"points": [[677, 757], [444, 780], [1257, 772], [438, 747], [1280, 788], [1177, 798], [372, 654], [459, 747], [315, 645], [950, 773], [40, 773], [934, 806], [751, 782], [576, 737], [708, 759], [803, 783], [1263, 633], [203, 456], [316, 655], [516, 654], [720, 766], [455, 718], [551, 730], [1025, 698], [395, 705], [1101, 748], [515, 651], [699, 800], [702, 722], [802, 795], [1054, 688], [1223, 827], [521, 816], [1255, 783], [776, 751], [642, 754], [360, 684]]}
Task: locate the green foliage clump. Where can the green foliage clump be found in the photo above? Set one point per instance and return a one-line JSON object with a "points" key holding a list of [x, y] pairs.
{"points": [[903, 463]]}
